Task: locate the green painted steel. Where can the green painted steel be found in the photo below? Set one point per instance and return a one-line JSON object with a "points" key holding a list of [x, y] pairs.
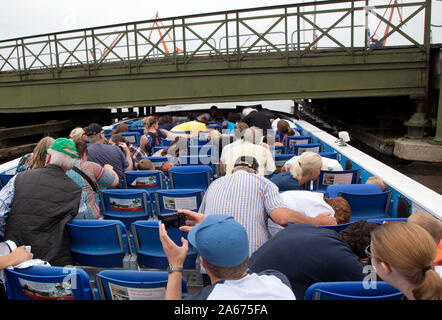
{"points": [[249, 54]]}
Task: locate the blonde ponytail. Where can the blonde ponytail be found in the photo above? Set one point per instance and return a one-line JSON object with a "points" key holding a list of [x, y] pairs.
{"points": [[307, 162]]}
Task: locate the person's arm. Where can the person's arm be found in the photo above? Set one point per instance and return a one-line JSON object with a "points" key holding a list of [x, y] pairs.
{"points": [[175, 256], [282, 216], [222, 168], [143, 142], [109, 170], [15, 257], [127, 155], [6, 196]]}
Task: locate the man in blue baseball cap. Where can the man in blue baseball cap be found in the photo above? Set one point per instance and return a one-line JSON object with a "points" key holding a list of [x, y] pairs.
{"points": [[223, 246]]}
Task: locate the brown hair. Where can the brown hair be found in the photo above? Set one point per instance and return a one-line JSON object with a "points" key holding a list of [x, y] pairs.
{"points": [[81, 147], [410, 250], [429, 223], [122, 127], [228, 273], [145, 164], [165, 166], [283, 127], [38, 158], [358, 236], [341, 207]]}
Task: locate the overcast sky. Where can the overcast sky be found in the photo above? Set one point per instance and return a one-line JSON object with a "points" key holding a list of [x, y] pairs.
{"points": [[20, 18]]}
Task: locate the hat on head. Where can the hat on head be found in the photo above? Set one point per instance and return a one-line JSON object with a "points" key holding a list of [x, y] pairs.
{"points": [[92, 129], [246, 161], [220, 240], [66, 146]]}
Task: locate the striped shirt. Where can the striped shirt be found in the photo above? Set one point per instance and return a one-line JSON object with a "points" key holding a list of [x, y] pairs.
{"points": [[248, 198]]}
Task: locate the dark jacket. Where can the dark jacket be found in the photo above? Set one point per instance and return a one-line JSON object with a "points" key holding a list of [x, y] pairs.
{"points": [[44, 200]]}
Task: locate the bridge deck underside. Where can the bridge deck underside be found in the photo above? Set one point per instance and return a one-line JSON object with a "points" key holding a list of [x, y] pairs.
{"points": [[323, 74]]}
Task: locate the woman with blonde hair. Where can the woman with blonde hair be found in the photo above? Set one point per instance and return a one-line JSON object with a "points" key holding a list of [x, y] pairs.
{"points": [[37, 158], [78, 134], [302, 171], [402, 254]]}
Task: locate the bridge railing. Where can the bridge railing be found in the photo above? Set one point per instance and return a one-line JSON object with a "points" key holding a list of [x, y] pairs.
{"points": [[289, 31]]}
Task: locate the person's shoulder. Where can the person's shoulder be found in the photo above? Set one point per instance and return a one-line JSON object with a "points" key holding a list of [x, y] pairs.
{"points": [[203, 294]]}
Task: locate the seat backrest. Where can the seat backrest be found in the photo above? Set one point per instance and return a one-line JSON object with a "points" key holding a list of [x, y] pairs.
{"points": [[149, 249], [352, 290], [290, 141], [330, 155], [356, 188], [277, 149], [125, 201], [4, 179], [198, 141], [98, 243], [301, 148], [368, 206], [133, 285], [133, 137], [196, 160], [157, 161], [48, 283], [385, 220], [280, 159], [338, 227], [327, 178], [190, 176], [126, 205], [149, 180], [171, 200]]}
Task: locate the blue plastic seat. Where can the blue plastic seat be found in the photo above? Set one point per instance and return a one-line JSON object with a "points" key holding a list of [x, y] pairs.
{"points": [[171, 200], [157, 161], [4, 179], [126, 205], [368, 206], [190, 176], [352, 290], [382, 220], [357, 188], [198, 141], [290, 141], [327, 178], [280, 159], [132, 285], [48, 283], [313, 147], [338, 227], [277, 149], [133, 137], [149, 180], [98, 243], [149, 249], [330, 155]]}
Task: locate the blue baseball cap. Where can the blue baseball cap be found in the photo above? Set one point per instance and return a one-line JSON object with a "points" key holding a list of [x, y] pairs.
{"points": [[220, 240]]}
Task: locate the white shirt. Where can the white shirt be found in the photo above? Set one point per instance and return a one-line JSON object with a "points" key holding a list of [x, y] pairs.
{"points": [[308, 203], [263, 156], [327, 164]]}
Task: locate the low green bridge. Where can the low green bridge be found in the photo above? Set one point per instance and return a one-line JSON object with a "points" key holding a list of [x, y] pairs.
{"points": [[310, 50]]}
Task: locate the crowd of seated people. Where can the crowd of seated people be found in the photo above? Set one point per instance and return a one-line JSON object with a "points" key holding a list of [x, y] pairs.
{"points": [[259, 235]]}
